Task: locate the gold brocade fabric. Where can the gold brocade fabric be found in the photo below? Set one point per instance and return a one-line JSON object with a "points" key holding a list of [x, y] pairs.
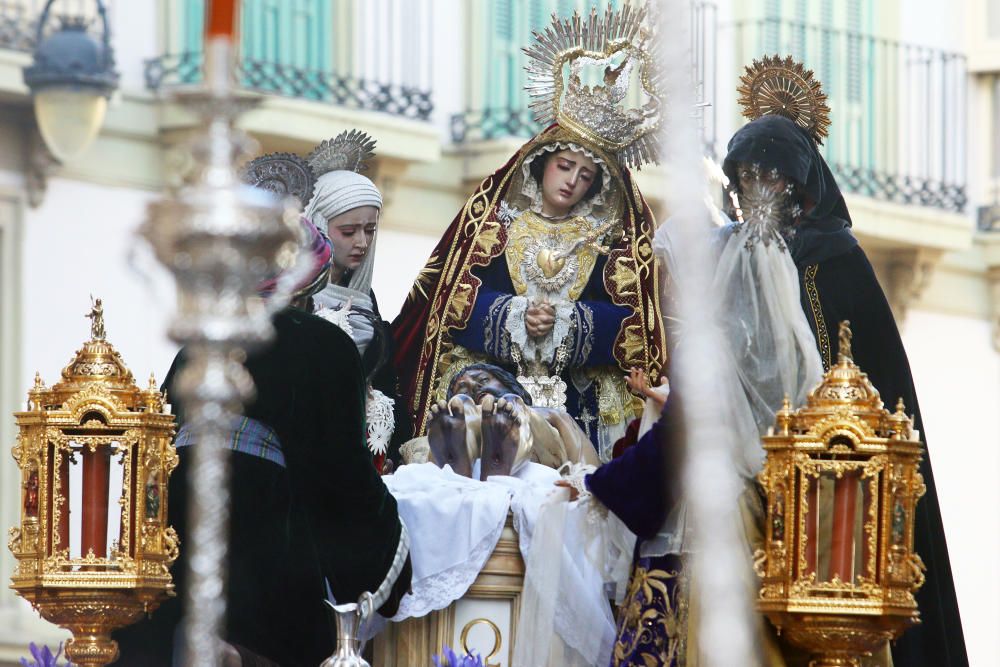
{"points": [[660, 617], [546, 255], [652, 618]]}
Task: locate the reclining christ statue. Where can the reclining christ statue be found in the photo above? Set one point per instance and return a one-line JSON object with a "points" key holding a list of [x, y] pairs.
{"points": [[488, 416]]}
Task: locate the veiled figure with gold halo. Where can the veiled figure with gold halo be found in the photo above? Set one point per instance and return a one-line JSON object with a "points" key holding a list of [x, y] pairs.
{"points": [[548, 269]]}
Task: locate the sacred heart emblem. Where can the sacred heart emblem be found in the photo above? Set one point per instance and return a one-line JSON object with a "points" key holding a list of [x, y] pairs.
{"points": [[550, 262]]}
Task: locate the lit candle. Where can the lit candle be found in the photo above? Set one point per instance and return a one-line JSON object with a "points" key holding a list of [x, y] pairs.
{"points": [[96, 477], [845, 500], [221, 18]]}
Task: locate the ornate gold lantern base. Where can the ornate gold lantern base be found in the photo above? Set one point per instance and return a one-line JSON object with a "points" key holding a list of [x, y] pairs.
{"points": [[842, 638], [91, 616]]}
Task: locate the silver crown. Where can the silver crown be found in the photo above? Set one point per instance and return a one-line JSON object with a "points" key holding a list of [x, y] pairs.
{"points": [[598, 113], [284, 174], [348, 151]]}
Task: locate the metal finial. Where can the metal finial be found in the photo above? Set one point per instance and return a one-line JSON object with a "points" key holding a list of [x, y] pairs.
{"points": [[845, 353], [96, 317]]}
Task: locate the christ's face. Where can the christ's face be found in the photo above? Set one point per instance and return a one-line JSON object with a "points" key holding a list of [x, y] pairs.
{"points": [[477, 383], [567, 177]]}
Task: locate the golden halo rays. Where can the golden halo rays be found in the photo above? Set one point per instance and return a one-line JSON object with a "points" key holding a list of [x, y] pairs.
{"points": [[783, 87]]}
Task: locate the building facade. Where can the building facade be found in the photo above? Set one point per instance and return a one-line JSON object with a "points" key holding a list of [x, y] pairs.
{"points": [[915, 142]]}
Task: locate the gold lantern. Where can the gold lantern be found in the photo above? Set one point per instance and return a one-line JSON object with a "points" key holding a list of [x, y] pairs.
{"points": [[838, 568], [93, 548]]}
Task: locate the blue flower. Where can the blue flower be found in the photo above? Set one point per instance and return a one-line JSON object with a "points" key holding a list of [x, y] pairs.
{"points": [[43, 657], [448, 658]]}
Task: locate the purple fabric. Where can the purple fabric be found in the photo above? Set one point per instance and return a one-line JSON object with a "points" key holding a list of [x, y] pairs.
{"points": [[318, 247], [652, 617], [637, 486]]}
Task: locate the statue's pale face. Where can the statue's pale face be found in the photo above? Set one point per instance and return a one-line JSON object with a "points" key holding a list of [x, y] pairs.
{"points": [[477, 383], [567, 177], [352, 233]]}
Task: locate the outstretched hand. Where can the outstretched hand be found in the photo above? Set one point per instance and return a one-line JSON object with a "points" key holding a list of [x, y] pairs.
{"points": [[638, 384], [574, 493]]}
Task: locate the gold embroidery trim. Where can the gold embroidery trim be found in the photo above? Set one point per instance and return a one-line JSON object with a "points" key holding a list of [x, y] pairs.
{"points": [[438, 321], [822, 335]]}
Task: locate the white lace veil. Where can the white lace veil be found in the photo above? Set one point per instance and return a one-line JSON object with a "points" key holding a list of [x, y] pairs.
{"points": [[770, 348], [524, 192]]}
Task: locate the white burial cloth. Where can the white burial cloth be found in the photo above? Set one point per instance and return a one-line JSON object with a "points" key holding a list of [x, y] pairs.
{"points": [[455, 523]]}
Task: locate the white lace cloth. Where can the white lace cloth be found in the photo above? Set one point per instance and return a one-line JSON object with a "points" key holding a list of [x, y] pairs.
{"points": [[455, 523], [381, 421], [576, 557]]}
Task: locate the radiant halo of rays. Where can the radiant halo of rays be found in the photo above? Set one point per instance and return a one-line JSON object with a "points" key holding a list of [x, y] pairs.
{"points": [[783, 87]]}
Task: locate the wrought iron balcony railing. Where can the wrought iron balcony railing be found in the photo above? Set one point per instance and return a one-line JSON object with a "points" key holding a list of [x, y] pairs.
{"points": [[898, 109], [18, 22], [309, 49], [492, 124], [280, 79], [19, 19]]}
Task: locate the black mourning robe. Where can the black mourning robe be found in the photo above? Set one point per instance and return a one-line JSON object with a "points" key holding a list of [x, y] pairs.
{"points": [[838, 283], [327, 515], [381, 372], [377, 361]]}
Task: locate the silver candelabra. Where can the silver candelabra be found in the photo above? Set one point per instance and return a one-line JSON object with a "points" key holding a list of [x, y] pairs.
{"points": [[220, 239]]}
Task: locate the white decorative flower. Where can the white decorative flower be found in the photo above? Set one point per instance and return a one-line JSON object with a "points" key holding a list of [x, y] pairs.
{"points": [[339, 316], [380, 420]]}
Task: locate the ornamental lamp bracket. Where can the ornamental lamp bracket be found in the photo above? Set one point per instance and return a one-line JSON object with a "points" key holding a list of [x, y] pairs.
{"points": [[71, 78]]}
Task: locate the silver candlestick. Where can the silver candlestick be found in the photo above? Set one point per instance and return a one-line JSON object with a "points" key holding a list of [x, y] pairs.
{"points": [[220, 239]]}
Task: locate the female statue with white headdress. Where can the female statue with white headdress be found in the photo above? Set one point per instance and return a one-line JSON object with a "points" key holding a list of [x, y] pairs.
{"points": [[346, 206]]}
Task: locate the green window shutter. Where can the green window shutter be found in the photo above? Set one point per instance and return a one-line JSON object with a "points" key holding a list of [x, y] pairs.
{"points": [[188, 44], [538, 15], [854, 71], [501, 41], [799, 30], [282, 34], [772, 31], [274, 34], [193, 25]]}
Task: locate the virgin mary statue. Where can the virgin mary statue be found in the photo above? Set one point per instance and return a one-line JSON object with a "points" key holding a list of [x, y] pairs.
{"points": [[548, 269]]}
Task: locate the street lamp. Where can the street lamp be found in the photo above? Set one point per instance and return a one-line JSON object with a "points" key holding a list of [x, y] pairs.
{"points": [[71, 78]]}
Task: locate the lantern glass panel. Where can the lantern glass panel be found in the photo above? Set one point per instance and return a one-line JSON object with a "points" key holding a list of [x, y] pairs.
{"points": [[96, 490], [836, 541]]}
